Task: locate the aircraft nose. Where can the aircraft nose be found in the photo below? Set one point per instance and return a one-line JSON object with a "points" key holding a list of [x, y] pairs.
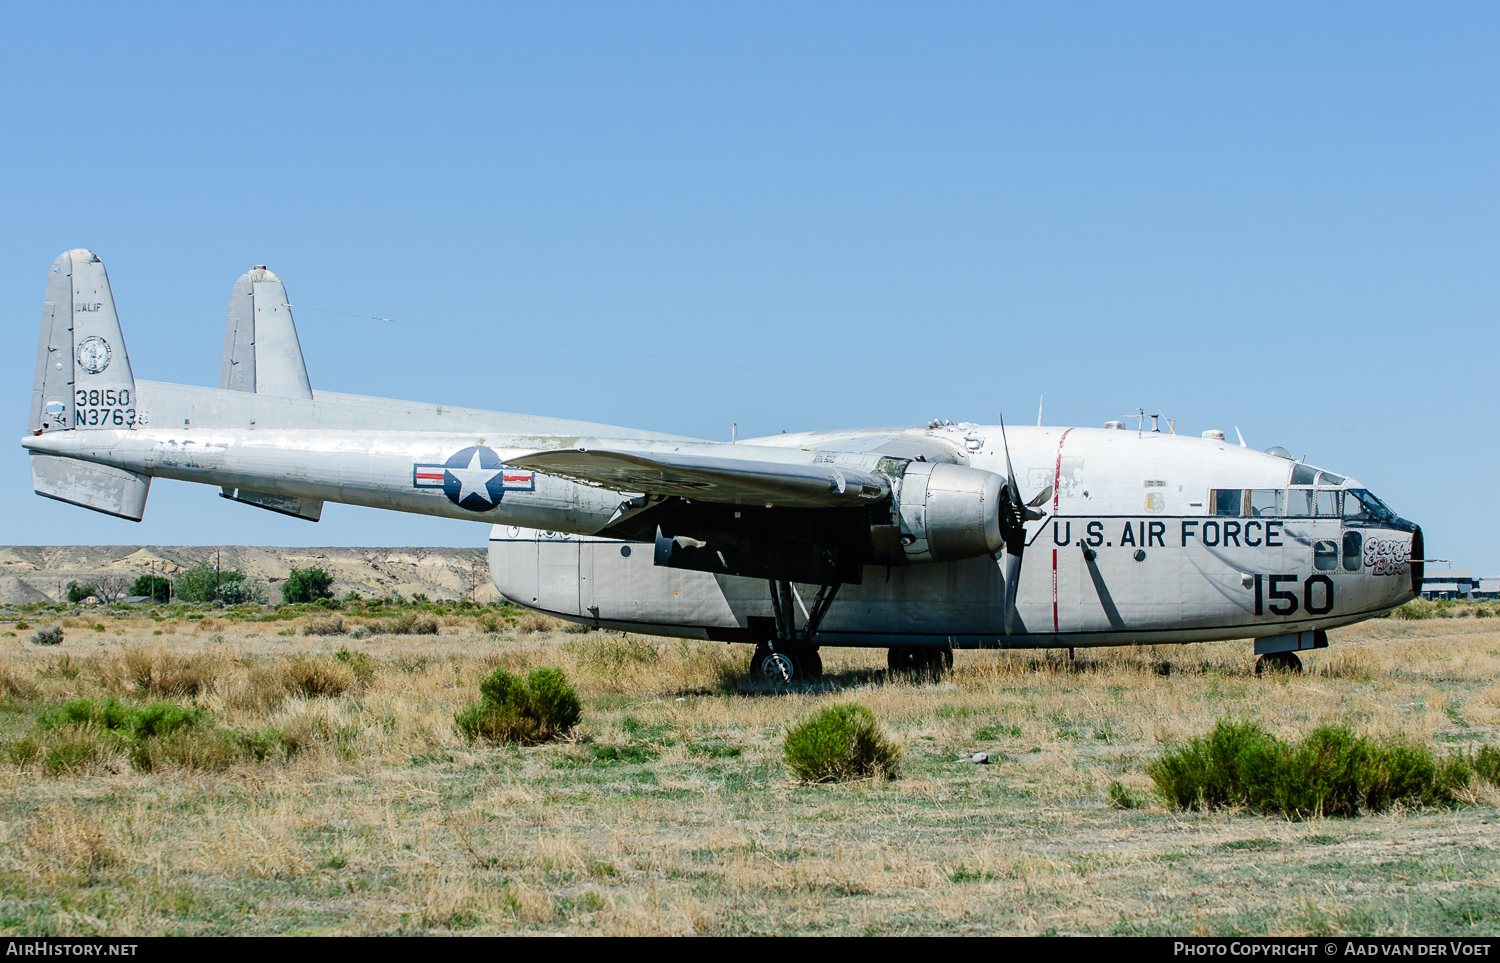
{"points": [[1417, 554]]}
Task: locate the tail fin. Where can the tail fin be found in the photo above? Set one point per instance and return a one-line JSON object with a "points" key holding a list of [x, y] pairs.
{"points": [[262, 354], [261, 350], [83, 377], [83, 381]]}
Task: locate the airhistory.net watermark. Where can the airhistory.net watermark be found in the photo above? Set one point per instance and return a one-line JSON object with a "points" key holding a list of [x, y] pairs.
{"points": [[53, 948]]}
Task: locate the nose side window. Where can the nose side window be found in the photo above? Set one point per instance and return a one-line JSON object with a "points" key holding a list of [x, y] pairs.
{"points": [[1229, 501], [1266, 502], [1325, 555], [1328, 503], [1353, 551], [1299, 502]]}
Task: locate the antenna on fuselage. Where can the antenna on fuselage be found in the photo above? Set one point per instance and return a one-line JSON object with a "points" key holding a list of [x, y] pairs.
{"points": [[1241, 437], [1039, 400]]}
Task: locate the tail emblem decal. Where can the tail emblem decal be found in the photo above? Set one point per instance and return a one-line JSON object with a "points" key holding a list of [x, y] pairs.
{"points": [[93, 354], [473, 478]]}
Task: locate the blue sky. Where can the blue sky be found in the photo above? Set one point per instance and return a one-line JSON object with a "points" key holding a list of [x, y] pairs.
{"points": [[1281, 217]]}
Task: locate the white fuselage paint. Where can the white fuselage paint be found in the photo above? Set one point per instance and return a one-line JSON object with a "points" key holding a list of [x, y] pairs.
{"points": [[1117, 493], [1114, 493]]}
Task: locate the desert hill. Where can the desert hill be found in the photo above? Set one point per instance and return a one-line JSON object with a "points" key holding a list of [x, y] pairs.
{"points": [[37, 573]]}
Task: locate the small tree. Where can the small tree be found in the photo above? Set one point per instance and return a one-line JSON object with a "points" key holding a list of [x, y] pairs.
{"points": [[111, 588], [204, 584], [78, 591], [306, 585], [157, 587]]}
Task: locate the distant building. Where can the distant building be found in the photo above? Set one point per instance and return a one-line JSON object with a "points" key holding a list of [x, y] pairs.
{"points": [[1489, 588], [1449, 583]]}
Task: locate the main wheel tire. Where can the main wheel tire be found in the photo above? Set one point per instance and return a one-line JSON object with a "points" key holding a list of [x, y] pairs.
{"points": [[919, 661], [774, 667], [1278, 662], [785, 665]]}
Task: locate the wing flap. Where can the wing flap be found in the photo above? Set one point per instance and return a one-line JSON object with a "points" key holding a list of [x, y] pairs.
{"points": [[735, 481]]}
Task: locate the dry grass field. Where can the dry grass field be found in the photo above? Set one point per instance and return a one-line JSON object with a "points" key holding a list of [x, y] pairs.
{"points": [[670, 811]]}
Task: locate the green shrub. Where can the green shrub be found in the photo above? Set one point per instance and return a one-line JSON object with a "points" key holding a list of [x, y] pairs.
{"points": [[306, 585], [1120, 796], [511, 709], [158, 587], [362, 663], [51, 635], [841, 742], [152, 719], [78, 591], [204, 584], [1331, 772]]}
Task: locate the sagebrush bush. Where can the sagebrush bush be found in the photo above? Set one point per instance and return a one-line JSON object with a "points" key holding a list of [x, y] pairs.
{"points": [[539, 707], [14, 685], [333, 625], [841, 742], [1331, 772], [156, 672], [51, 635], [312, 676]]}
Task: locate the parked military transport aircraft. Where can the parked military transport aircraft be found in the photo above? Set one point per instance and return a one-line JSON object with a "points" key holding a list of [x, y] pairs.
{"points": [[907, 538]]}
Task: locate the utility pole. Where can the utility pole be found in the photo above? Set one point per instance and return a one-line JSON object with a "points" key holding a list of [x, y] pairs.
{"points": [[217, 554]]}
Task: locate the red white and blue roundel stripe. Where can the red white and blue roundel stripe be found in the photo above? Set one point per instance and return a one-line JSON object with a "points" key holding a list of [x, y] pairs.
{"points": [[473, 478]]}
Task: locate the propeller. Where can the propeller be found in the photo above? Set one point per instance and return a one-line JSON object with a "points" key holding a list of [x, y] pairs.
{"points": [[1013, 518]]}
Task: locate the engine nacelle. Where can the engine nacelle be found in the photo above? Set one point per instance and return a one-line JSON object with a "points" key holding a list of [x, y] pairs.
{"points": [[949, 512]]}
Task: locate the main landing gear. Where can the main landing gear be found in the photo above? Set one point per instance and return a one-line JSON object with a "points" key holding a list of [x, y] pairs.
{"points": [[791, 656], [1278, 662], [922, 662]]}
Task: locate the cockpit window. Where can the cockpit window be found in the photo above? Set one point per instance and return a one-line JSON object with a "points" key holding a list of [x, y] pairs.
{"points": [[1327, 502], [1330, 480], [1303, 475], [1360, 505]]}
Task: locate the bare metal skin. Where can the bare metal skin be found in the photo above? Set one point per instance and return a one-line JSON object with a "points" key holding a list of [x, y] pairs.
{"points": [[912, 538]]}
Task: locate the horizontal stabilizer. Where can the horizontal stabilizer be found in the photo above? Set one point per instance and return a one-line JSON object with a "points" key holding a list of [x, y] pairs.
{"points": [[706, 478], [113, 491], [310, 509]]}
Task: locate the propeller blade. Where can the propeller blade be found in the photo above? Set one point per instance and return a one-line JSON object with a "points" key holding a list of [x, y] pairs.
{"points": [[1012, 580], [1045, 494], [1010, 471]]}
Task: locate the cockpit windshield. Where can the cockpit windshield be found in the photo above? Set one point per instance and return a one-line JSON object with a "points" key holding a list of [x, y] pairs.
{"points": [[1360, 505]]}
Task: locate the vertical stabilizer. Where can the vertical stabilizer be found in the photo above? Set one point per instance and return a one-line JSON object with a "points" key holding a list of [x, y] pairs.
{"points": [[262, 354], [83, 377], [261, 350]]}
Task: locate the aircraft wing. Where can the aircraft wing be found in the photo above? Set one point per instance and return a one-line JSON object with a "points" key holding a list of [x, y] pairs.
{"points": [[709, 478]]}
